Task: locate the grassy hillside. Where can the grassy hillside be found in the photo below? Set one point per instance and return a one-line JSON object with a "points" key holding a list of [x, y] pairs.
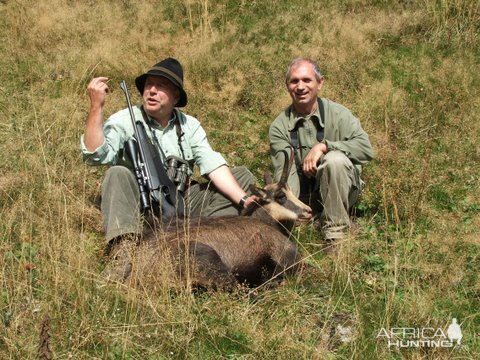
{"points": [[408, 69]]}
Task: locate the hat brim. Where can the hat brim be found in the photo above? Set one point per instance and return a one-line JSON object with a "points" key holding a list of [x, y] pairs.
{"points": [[140, 84]]}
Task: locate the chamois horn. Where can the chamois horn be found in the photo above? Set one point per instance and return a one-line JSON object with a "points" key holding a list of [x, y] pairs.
{"points": [[286, 167]]}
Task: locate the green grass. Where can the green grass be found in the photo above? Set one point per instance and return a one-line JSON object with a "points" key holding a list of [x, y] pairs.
{"points": [[409, 70]]}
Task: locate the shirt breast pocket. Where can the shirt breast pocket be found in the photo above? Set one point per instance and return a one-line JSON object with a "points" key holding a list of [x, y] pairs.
{"points": [[187, 152]]}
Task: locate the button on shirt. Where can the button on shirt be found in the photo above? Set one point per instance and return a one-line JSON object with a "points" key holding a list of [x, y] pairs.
{"points": [[118, 129], [308, 124]]}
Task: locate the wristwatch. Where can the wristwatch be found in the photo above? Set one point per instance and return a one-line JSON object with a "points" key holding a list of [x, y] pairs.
{"points": [[242, 201]]}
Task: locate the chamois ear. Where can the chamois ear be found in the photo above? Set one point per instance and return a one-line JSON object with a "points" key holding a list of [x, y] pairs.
{"points": [[267, 178]]}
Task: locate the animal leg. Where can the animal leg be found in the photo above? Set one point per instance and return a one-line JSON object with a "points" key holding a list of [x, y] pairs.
{"points": [[210, 270], [286, 256]]}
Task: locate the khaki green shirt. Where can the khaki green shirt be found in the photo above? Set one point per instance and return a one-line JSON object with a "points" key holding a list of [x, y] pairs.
{"points": [[118, 129], [342, 131]]}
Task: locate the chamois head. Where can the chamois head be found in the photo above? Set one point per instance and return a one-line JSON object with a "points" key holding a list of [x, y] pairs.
{"points": [[278, 201]]}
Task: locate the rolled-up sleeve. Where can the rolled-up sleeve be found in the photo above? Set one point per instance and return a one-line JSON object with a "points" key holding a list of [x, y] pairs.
{"points": [[204, 156], [97, 157], [116, 131]]}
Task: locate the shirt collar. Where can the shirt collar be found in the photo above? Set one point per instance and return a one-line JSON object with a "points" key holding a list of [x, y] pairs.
{"points": [[294, 118], [153, 123]]}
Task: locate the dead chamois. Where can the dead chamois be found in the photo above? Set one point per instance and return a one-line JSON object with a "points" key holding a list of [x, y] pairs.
{"points": [[222, 252]]}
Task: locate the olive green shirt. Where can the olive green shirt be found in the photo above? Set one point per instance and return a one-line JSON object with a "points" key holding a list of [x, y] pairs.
{"points": [[342, 131], [118, 129]]}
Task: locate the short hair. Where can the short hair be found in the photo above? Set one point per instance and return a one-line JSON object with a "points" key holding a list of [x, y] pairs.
{"points": [[296, 61]]}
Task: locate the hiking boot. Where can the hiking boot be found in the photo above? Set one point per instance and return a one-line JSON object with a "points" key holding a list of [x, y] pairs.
{"points": [[120, 252], [332, 235]]}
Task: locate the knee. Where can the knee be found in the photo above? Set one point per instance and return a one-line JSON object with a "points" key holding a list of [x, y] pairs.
{"points": [[117, 171], [337, 160], [243, 175], [118, 175], [242, 170]]}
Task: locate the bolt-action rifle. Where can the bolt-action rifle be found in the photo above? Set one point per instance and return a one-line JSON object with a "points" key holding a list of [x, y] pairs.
{"points": [[153, 182]]}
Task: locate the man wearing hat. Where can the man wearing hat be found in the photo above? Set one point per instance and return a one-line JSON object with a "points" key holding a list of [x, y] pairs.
{"points": [[173, 133]]}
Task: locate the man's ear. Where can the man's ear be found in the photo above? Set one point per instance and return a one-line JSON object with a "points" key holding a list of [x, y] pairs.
{"points": [[320, 83]]}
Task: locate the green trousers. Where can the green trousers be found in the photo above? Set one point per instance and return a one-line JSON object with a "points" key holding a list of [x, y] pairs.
{"points": [[334, 192], [121, 206]]}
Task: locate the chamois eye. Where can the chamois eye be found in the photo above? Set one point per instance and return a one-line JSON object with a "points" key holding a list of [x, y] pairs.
{"points": [[280, 197]]}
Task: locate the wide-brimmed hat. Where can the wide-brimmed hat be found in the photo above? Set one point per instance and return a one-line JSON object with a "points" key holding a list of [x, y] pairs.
{"points": [[171, 69]]}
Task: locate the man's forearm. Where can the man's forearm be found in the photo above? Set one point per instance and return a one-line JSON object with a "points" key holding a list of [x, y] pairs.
{"points": [[226, 183], [94, 137]]}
